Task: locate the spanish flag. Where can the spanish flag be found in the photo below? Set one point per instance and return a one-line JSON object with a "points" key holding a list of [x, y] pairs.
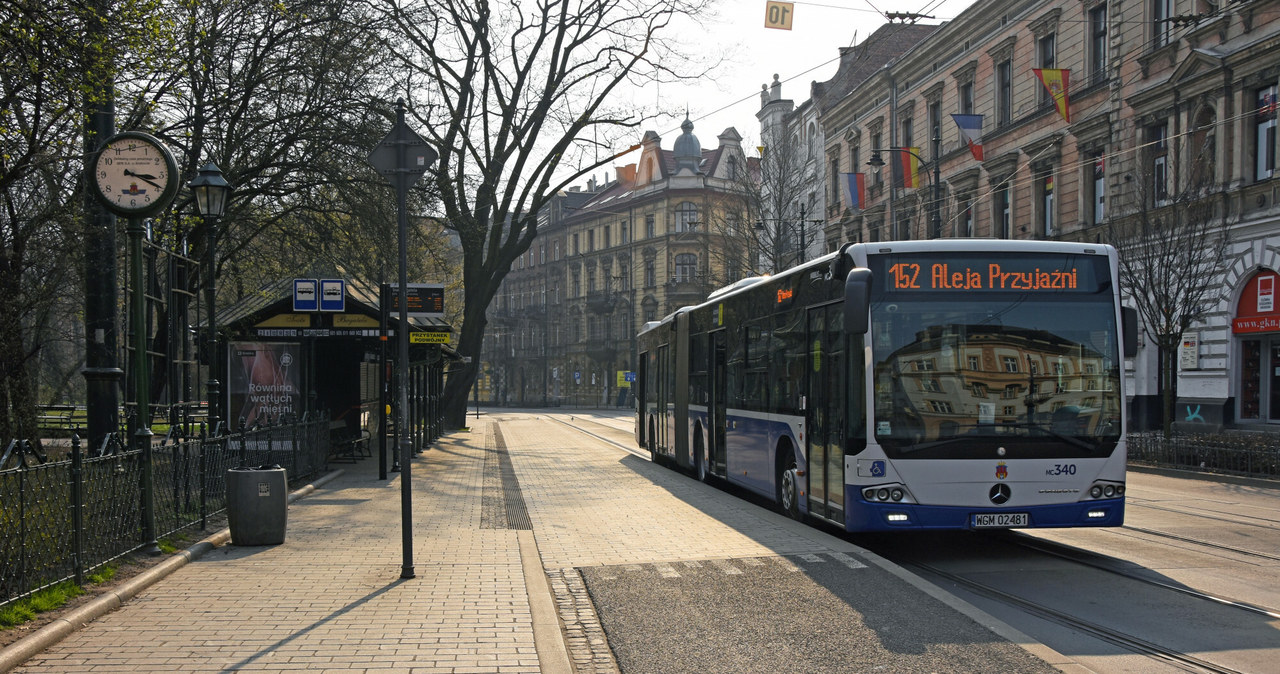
{"points": [[906, 167], [1055, 80]]}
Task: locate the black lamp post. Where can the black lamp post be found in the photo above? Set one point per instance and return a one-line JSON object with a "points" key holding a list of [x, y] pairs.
{"points": [[876, 163], [212, 193]]}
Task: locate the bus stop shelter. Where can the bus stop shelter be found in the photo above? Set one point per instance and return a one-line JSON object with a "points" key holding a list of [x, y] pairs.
{"points": [[331, 354]]}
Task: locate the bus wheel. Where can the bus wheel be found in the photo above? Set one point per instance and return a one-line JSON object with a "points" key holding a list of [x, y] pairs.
{"points": [[700, 457], [788, 488], [653, 445]]}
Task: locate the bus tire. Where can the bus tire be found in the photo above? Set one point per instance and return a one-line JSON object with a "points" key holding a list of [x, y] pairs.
{"points": [[789, 486], [653, 444], [700, 457]]}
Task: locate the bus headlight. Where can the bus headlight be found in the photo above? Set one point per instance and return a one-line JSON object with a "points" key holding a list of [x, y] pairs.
{"points": [[1109, 491], [1096, 491], [882, 494], [896, 494]]}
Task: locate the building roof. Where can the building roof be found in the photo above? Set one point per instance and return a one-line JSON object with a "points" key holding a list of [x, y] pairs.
{"points": [[863, 60]]}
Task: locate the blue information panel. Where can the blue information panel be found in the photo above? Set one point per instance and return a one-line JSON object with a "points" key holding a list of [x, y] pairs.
{"points": [[306, 294], [333, 295]]}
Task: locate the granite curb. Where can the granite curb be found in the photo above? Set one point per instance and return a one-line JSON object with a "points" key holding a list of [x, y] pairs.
{"points": [[18, 652]]}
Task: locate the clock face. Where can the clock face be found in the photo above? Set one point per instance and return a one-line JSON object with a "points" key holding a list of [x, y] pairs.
{"points": [[135, 175]]}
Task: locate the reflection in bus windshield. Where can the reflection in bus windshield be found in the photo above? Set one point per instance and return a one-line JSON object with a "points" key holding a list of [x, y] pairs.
{"points": [[1032, 369]]}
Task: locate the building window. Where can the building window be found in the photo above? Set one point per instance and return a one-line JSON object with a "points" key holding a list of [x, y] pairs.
{"points": [[931, 385], [935, 129], [964, 226], [686, 216], [686, 267], [1010, 363], [876, 176], [576, 250], [650, 275], [542, 254], [1046, 47], [650, 226], [1265, 135], [979, 390], [940, 406], [965, 95], [591, 240], [733, 167], [908, 132], [591, 280], [975, 365], [1002, 212], [1098, 43], [1158, 147], [1096, 185], [624, 231], [1044, 190], [837, 198], [1004, 92], [1161, 27]]}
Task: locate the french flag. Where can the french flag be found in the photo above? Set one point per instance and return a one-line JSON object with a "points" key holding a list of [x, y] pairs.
{"points": [[971, 131]]}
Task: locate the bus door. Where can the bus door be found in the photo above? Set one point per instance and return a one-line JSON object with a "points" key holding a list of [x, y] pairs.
{"points": [[719, 397], [825, 412]]}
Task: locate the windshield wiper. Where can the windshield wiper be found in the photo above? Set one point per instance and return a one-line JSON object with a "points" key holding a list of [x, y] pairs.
{"points": [[1069, 439]]}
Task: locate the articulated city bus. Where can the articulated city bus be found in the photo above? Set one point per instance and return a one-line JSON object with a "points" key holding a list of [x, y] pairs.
{"points": [[958, 384]]}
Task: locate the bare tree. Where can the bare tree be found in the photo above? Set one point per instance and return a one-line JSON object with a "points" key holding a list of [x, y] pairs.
{"points": [[520, 99], [1171, 248], [765, 224]]}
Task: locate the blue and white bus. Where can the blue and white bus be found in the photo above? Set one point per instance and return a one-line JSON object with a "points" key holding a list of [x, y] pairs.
{"points": [[957, 384]]}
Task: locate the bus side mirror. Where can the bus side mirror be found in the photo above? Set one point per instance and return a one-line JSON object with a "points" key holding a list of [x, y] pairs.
{"points": [[1129, 316], [857, 301]]}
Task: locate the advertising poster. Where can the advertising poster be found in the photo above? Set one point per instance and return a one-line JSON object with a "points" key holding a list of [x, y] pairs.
{"points": [[266, 381]]}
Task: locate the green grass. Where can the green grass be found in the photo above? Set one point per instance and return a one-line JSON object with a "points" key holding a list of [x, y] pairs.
{"points": [[47, 599]]}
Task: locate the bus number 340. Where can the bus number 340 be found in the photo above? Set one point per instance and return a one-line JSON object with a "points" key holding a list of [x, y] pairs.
{"points": [[1061, 469]]}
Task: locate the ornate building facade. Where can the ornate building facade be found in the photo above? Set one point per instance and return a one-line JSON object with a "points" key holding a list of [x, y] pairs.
{"points": [[606, 260], [1162, 96]]}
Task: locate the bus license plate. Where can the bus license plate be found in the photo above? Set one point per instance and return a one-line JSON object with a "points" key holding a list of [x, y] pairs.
{"points": [[999, 520]]}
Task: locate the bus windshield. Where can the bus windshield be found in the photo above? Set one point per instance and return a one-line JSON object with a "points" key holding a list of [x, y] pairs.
{"points": [[961, 372]]}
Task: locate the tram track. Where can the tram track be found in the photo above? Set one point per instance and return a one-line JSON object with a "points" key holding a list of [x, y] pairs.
{"points": [[575, 418], [1077, 556], [1261, 523], [1116, 637], [1203, 543]]}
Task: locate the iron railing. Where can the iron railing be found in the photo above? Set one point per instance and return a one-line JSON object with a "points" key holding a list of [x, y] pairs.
{"points": [[1247, 454], [60, 520]]}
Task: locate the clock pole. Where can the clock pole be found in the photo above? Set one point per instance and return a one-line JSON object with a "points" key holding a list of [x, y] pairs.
{"points": [[101, 372], [142, 382]]}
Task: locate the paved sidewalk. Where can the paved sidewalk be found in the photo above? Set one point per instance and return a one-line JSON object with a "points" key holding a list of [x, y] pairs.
{"points": [[331, 598]]}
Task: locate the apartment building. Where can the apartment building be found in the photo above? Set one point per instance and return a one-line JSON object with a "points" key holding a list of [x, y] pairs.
{"points": [[974, 139], [607, 259]]}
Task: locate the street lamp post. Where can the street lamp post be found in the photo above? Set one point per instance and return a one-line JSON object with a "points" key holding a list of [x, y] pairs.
{"points": [[212, 192], [876, 163]]}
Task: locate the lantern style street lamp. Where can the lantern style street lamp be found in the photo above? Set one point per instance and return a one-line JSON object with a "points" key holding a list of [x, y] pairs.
{"points": [[212, 192], [876, 163]]}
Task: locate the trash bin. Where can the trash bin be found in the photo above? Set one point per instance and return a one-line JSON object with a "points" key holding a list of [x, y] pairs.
{"points": [[257, 505]]}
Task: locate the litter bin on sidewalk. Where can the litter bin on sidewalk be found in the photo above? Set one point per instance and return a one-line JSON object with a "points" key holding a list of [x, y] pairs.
{"points": [[257, 505]]}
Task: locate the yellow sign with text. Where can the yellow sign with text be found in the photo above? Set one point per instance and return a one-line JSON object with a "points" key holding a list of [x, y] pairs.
{"points": [[778, 15], [428, 338]]}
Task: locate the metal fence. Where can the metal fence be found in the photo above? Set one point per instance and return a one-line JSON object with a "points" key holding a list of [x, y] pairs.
{"points": [[62, 519], [1247, 454]]}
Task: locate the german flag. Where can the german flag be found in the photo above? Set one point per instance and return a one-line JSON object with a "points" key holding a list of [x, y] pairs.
{"points": [[906, 167]]}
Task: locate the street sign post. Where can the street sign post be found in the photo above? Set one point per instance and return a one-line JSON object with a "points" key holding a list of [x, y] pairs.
{"points": [[403, 157]]}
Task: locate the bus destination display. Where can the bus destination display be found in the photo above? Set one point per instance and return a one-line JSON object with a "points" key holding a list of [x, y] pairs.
{"points": [[1044, 274]]}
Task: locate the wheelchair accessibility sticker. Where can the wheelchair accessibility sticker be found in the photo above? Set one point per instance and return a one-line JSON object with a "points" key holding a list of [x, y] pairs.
{"points": [[873, 468]]}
